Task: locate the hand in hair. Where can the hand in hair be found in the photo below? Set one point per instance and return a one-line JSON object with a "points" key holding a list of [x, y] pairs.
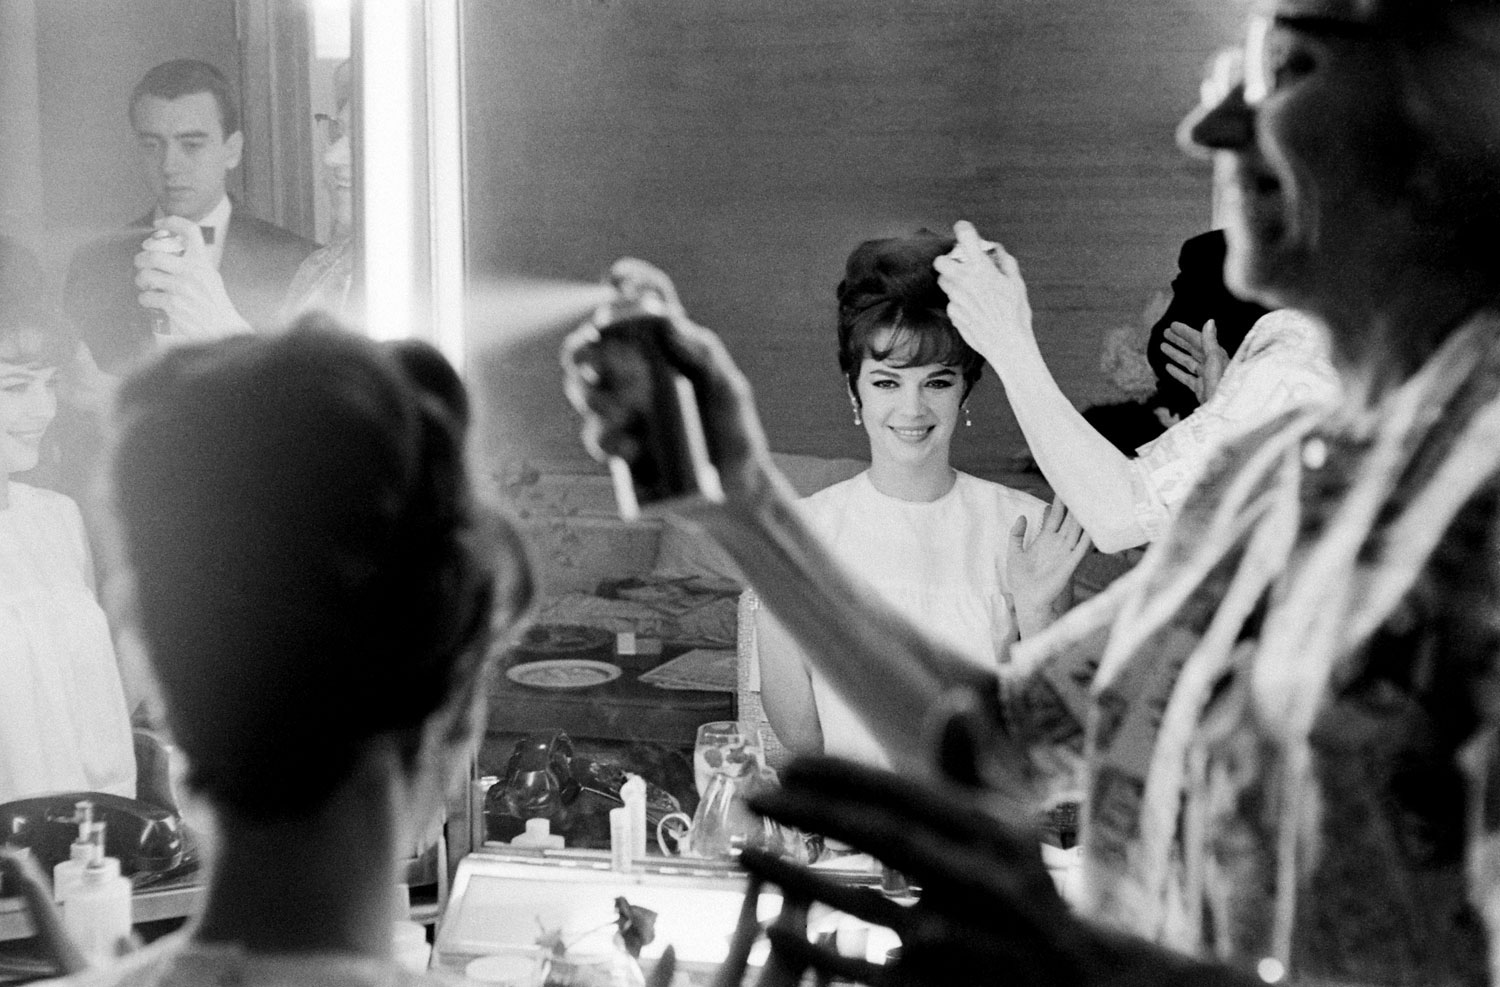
{"points": [[188, 288], [986, 294]]}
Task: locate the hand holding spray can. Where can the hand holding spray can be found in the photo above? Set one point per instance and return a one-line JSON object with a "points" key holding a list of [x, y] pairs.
{"points": [[163, 242], [667, 465]]}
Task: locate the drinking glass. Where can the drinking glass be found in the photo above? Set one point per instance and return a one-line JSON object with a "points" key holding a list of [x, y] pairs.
{"points": [[726, 746]]}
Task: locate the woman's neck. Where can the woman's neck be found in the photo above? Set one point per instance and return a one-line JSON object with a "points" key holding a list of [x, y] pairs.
{"points": [[4, 491], [316, 885], [921, 483]]}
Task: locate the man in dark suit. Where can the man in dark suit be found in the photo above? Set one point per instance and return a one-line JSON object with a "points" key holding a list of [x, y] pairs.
{"points": [[235, 267]]}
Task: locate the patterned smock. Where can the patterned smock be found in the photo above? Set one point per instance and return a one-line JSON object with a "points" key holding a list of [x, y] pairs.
{"points": [[1289, 738]]}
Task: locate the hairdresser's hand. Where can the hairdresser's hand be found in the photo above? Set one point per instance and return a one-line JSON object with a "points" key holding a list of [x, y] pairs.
{"points": [[1196, 358], [736, 441], [1039, 571], [22, 878], [187, 288], [986, 294], [634, 278], [987, 903]]}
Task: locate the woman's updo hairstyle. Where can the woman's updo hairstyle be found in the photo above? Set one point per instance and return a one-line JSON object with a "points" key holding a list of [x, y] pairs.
{"points": [[33, 334], [889, 284], [309, 566]]}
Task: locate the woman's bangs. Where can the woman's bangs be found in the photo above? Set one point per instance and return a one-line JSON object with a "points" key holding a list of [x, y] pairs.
{"points": [[919, 345]]}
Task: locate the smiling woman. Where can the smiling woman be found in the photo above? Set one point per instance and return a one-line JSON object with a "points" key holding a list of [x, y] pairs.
{"points": [[948, 550], [63, 719]]}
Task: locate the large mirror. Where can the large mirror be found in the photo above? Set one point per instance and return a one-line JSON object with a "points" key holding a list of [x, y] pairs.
{"points": [[233, 116], [746, 149]]}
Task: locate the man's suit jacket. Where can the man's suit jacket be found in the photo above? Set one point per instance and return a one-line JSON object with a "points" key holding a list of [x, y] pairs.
{"points": [[1199, 294], [258, 263]]}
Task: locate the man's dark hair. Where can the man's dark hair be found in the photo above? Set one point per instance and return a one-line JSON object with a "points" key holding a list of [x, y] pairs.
{"points": [[184, 77]]}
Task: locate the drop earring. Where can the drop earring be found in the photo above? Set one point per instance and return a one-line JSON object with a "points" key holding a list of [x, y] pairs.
{"points": [[968, 422], [858, 419]]}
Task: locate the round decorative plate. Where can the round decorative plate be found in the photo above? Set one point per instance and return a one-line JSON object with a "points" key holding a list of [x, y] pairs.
{"points": [[563, 673]]}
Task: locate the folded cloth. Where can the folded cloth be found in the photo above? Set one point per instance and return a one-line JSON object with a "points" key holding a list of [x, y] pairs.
{"points": [[701, 668]]}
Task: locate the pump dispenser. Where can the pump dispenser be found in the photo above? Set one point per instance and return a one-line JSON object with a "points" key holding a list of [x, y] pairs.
{"points": [[96, 912], [67, 875]]}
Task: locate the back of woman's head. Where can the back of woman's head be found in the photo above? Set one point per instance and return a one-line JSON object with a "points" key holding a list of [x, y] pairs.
{"points": [[309, 568], [890, 307]]}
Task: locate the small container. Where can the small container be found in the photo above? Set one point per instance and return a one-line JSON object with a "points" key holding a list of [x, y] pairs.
{"points": [[97, 913], [162, 242], [670, 466], [67, 875], [633, 794], [539, 835], [619, 840]]}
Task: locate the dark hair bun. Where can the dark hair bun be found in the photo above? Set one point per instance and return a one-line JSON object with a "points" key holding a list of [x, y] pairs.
{"points": [[895, 268]]}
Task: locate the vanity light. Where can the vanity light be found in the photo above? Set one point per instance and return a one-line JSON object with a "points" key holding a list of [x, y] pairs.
{"points": [[411, 161]]}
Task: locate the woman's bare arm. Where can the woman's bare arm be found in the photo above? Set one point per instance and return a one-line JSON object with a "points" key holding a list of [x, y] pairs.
{"points": [[786, 690]]}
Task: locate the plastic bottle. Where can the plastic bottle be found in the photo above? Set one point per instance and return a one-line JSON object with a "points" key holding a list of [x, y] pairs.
{"points": [[96, 913], [633, 794], [67, 875], [619, 840]]}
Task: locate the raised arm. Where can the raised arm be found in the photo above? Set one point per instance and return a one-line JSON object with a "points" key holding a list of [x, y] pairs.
{"points": [[880, 664], [988, 305]]}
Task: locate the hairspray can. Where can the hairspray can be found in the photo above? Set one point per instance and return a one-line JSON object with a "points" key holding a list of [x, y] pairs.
{"points": [[166, 242], [669, 466]]}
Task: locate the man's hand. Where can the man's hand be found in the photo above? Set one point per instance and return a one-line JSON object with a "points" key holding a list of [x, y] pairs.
{"points": [[187, 288], [1197, 359], [1040, 574], [986, 294]]}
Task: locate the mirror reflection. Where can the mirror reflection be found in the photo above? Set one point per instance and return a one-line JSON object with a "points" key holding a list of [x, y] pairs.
{"points": [[202, 185], [170, 172], [747, 156]]}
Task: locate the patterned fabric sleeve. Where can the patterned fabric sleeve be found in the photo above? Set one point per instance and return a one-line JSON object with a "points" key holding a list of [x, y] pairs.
{"points": [[1283, 363]]}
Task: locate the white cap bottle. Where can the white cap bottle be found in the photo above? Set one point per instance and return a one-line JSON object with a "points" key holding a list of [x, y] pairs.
{"points": [[68, 874], [97, 912]]}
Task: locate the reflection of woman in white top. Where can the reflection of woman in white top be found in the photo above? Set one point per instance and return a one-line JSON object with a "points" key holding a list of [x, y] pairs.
{"points": [[64, 726], [947, 550]]}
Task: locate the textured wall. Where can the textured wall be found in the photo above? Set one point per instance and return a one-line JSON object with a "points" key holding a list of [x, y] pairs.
{"points": [[746, 146]]}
